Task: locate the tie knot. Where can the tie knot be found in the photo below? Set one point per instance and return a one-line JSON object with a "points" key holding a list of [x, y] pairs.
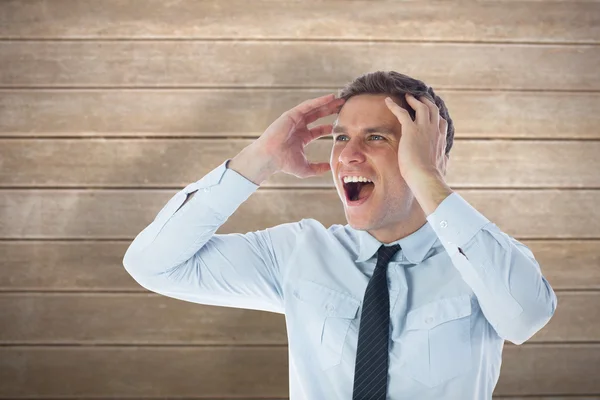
{"points": [[385, 253]]}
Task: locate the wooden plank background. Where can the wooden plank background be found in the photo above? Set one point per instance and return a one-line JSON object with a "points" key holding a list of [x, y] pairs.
{"points": [[108, 108]]}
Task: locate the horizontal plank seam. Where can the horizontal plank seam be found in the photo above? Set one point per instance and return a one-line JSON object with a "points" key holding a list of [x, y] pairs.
{"points": [[543, 396], [585, 396], [142, 292], [90, 344], [147, 137], [275, 188], [169, 397], [129, 239], [307, 40], [21, 345], [144, 137], [333, 88], [590, 396], [232, 88], [99, 188]]}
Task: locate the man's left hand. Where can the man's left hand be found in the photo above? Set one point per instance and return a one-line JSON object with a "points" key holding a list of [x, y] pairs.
{"points": [[421, 151]]}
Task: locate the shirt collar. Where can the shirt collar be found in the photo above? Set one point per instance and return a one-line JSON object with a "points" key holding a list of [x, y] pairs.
{"points": [[414, 246]]}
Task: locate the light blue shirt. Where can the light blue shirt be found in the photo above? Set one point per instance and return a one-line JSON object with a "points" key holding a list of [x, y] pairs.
{"points": [[450, 310]]}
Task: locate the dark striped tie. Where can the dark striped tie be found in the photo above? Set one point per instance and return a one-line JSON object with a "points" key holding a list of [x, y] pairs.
{"points": [[371, 369]]}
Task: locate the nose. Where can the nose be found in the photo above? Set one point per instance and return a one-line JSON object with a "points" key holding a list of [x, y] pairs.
{"points": [[352, 153]]}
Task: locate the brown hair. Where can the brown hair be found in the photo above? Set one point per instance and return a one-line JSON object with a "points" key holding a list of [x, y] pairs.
{"points": [[397, 85]]}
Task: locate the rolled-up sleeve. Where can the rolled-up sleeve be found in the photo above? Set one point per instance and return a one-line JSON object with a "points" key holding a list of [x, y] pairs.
{"points": [[503, 273]]}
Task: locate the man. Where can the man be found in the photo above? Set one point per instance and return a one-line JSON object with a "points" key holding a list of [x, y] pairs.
{"points": [[412, 299]]}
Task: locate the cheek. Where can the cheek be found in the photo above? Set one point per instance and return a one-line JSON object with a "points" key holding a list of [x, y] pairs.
{"points": [[335, 152]]}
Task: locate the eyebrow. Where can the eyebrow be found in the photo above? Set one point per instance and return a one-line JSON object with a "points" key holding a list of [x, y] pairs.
{"points": [[365, 131]]}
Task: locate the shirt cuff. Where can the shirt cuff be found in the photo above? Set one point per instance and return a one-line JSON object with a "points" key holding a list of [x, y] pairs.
{"points": [[456, 222], [222, 190]]}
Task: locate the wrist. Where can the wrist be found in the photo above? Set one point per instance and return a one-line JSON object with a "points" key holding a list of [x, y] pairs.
{"points": [[416, 176], [254, 164]]}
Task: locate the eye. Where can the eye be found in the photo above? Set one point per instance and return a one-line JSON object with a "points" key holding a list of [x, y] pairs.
{"points": [[337, 137]]}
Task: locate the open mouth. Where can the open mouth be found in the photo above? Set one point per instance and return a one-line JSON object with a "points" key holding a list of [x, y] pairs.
{"points": [[356, 191]]}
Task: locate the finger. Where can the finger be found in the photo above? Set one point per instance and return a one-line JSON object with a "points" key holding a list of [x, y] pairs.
{"points": [[443, 126], [311, 104], [422, 111], [319, 113], [434, 111], [312, 169], [400, 113], [327, 109], [317, 132], [319, 168]]}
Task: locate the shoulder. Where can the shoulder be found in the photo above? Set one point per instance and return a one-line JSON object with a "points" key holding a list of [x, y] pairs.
{"points": [[309, 229]]}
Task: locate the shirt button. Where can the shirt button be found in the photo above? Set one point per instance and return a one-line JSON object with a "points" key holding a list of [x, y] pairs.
{"points": [[207, 189], [429, 320], [330, 307], [443, 224]]}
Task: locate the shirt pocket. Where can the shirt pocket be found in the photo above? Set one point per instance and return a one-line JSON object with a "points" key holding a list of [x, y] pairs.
{"points": [[438, 339], [331, 312]]}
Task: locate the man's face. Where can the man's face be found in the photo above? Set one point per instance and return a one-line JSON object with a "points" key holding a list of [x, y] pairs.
{"points": [[374, 155]]}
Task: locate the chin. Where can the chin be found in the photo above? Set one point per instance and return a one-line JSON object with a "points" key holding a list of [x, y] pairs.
{"points": [[359, 223]]}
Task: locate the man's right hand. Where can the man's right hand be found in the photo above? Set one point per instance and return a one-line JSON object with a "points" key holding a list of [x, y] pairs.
{"points": [[285, 139], [281, 146]]}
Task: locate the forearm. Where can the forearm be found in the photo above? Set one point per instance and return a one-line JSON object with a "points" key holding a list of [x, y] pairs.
{"points": [[502, 272], [512, 292], [429, 189], [174, 236], [253, 163]]}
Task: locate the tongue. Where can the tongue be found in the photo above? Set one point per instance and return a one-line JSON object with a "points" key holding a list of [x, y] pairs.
{"points": [[365, 190]]}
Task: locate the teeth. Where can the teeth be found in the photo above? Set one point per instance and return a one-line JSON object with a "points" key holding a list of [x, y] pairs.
{"points": [[356, 179]]}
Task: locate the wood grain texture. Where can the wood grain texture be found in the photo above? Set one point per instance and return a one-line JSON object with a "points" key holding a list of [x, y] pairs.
{"points": [[74, 265], [549, 397], [175, 163], [122, 214], [247, 371], [124, 319], [83, 84], [139, 319], [248, 112], [287, 398], [520, 21], [541, 369], [294, 64], [120, 372]]}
